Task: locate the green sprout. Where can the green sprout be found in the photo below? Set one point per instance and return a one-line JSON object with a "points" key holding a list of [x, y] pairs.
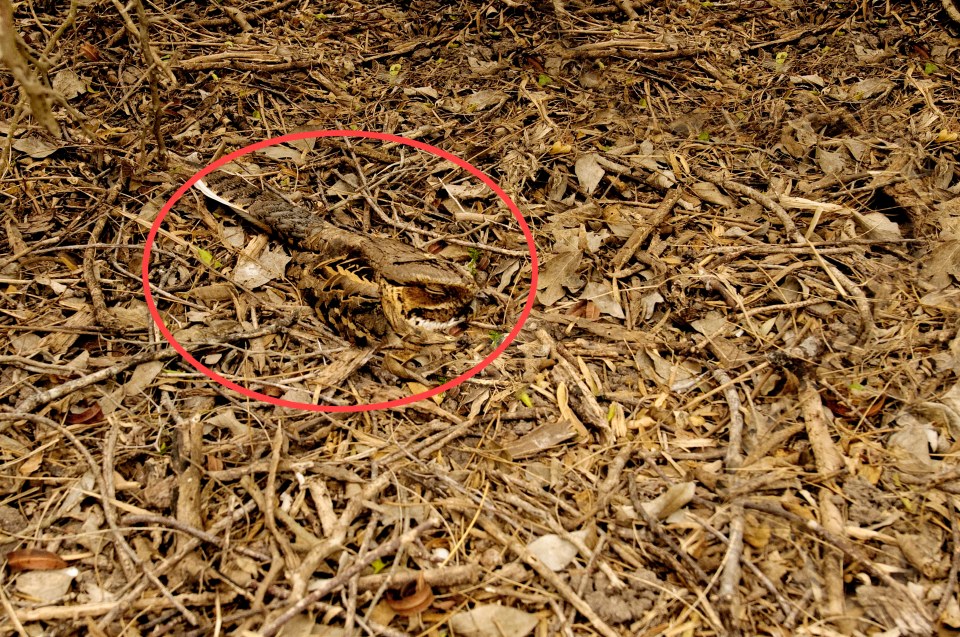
{"points": [[206, 257], [524, 397], [474, 260]]}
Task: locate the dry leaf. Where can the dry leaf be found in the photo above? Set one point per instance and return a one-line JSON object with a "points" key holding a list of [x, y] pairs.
{"points": [[869, 88], [601, 294], [80, 414], [493, 620], [831, 163], [46, 586], [711, 194], [798, 137], [412, 599], [483, 99], [281, 152], [31, 464], [558, 273], [589, 172], [540, 439], [951, 614], [141, 378], [877, 226], [270, 265], [34, 560], [35, 147], [554, 551], [68, 84]]}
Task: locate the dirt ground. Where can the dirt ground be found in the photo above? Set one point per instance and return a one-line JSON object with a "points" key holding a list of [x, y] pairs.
{"points": [[733, 410]]}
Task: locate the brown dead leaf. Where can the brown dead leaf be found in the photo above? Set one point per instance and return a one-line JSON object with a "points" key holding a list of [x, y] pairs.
{"points": [[29, 466], [68, 84], [412, 599], [601, 294], [589, 172], [540, 439], [558, 273], [34, 560], [82, 413], [35, 147], [493, 620]]}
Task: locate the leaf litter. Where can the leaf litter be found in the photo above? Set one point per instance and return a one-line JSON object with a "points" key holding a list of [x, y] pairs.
{"points": [[734, 409]]}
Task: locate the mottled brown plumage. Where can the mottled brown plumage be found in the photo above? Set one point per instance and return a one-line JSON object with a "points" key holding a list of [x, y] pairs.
{"points": [[365, 286]]}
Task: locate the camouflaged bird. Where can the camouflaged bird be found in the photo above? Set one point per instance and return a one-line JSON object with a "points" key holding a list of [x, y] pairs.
{"points": [[365, 286]]}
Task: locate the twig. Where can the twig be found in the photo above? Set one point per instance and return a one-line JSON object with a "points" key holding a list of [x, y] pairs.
{"points": [[152, 61], [332, 584], [441, 577], [135, 33], [551, 578], [583, 401], [259, 13], [109, 494], [335, 540], [72, 612], [734, 456], [91, 276], [551, 522], [843, 545], [657, 529], [825, 453], [133, 594], [732, 567], [832, 564], [12, 614], [37, 94], [722, 388], [951, 581], [785, 604], [843, 284], [627, 7], [31, 403], [238, 16], [66, 24], [629, 249], [106, 502], [209, 538], [30, 249]]}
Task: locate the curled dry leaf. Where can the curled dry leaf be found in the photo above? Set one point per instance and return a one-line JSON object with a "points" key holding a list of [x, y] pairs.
{"points": [[411, 599], [90, 51], [87, 415], [34, 560]]}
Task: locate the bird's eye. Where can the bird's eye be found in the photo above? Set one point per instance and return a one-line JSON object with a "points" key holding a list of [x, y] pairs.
{"points": [[432, 289]]}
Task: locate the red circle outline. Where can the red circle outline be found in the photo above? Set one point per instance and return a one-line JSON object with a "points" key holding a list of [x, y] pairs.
{"points": [[399, 402]]}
